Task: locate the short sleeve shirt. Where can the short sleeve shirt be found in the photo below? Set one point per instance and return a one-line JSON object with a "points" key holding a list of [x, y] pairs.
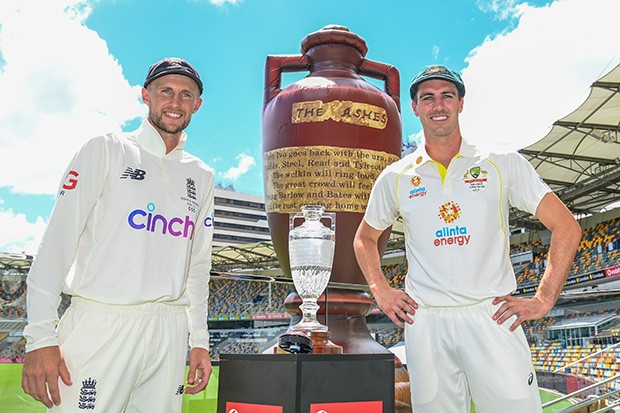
{"points": [[457, 235]]}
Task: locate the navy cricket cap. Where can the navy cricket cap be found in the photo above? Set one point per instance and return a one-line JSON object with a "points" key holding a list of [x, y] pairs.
{"points": [[436, 72], [173, 66]]}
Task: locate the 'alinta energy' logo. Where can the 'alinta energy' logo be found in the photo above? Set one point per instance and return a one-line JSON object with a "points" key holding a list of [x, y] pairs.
{"points": [[416, 181], [450, 212]]}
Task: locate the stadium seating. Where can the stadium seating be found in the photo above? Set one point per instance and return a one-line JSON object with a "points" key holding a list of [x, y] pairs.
{"points": [[243, 341], [242, 298], [388, 336], [599, 248], [592, 361]]}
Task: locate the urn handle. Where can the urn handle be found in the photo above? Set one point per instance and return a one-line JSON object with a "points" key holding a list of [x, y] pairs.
{"points": [[388, 73], [275, 65]]}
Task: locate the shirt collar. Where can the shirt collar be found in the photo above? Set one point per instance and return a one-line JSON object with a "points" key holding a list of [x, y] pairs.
{"points": [[467, 150], [148, 138], [419, 156]]}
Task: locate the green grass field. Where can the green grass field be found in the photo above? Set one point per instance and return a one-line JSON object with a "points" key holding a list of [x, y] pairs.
{"points": [[545, 397], [14, 400]]}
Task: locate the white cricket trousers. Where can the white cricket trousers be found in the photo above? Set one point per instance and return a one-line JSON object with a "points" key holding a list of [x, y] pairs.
{"points": [[456, 354], [123, 358]]}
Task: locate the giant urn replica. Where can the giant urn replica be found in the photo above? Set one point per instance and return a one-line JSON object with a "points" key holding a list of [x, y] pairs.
{"points": [[327, 137]]}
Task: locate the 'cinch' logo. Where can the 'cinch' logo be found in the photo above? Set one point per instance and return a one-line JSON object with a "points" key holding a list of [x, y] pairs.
{"points": [[140, 219]]}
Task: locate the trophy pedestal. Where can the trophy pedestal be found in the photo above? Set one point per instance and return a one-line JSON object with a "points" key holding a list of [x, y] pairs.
{"points": [[346, 311], [306, 383]]}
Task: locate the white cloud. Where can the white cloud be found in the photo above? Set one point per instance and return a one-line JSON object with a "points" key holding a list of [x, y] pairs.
{"points": [[60, 86], [520, 82], [503, 9], [19, 235], [223, 2], [245, 162]]}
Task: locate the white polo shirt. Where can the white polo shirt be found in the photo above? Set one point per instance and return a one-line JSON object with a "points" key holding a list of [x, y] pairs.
{"points": [[456, 221]]}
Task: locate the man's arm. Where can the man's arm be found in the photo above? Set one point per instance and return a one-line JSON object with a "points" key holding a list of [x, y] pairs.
{"points": [[198, 291], [565, 237], [77, 194], [396, 304]]}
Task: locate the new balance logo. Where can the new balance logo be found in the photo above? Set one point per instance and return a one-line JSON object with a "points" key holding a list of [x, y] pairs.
{"points": [[88, 394], [137, 174]]}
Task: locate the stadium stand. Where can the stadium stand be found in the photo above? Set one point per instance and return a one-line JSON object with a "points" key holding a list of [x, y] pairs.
{"points": [[231, 297], [387, 335], [599, 249]]}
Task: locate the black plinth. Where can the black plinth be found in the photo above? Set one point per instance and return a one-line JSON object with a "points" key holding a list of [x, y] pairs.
{"points": [[306, 383]]}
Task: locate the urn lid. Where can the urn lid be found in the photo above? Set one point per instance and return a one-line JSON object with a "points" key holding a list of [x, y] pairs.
{"points": [[334, 33]]}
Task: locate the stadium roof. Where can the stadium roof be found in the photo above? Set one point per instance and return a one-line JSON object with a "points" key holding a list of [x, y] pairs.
{"points": [[580, 156], [262, 255], [584, 321], [259, 255], [11, 263]]}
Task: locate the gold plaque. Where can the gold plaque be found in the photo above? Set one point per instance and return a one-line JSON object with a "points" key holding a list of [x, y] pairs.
{"points": [[338, 178], [345, 111]]}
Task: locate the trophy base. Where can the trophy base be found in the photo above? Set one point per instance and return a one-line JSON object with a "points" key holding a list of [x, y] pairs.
{"points": [[308, 326], [321, 344]]}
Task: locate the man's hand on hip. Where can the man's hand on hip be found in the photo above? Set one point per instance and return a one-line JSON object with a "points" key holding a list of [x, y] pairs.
{"points": [[396, 304], [523, 308]]}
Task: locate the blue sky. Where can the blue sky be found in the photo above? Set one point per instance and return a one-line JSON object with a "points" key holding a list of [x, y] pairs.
{"points": [[73, 69]]}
